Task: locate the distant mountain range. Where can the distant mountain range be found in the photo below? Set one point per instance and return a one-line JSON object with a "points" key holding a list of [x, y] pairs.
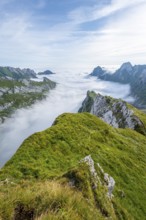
{"points": [[127, 74], [17, 90], [16, 73]]}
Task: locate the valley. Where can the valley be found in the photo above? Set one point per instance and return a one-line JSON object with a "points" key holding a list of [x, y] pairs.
{"points": [[66, 97], [91, 163]]}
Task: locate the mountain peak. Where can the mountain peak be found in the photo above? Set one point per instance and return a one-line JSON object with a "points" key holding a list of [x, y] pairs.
{"points": [[98, 71], [46, 72], [126, 66]]}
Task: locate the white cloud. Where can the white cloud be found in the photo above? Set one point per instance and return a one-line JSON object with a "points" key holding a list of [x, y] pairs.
{"points": [[86, 14], [67, 97], [65, 45]]}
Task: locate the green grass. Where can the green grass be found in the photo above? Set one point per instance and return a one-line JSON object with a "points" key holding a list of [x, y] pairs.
{"points": [[5, 72], [15, 100], [139, 113], [44, 200], [56, 152], [143, 110], [88, 102], [4, 83], [46, 82]]}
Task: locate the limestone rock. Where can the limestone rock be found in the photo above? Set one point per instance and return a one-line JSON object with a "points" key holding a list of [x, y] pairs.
{"points": [[107, 180], [88, 159], [115, 112], [110, 184]]}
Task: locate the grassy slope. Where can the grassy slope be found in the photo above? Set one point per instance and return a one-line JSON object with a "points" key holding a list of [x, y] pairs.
{"points": [[140, 114], [5, 72], [53, 152], [21, 100]]}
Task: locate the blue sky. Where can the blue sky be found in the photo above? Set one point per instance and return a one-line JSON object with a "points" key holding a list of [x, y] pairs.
{"points": [[72, 34]]}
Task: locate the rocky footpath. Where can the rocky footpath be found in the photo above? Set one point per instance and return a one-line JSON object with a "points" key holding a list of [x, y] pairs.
{"points": [[115, 112]]}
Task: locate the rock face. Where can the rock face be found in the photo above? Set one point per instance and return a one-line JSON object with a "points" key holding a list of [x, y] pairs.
{"points": [[110, 184], [134, 75], [88, 160], [107, 180], [113, 111]]}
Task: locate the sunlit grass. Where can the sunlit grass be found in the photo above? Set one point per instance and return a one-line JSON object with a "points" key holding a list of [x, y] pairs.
{"points": [[56, 152]]}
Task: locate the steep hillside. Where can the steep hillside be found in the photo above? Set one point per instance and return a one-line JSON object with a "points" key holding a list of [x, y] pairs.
{"points": [[134, 75], [16, 73], [51, 175], [115, 112], [17, 90]]}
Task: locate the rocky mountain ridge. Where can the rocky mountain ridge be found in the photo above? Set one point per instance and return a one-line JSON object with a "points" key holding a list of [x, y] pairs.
{"points": [[115, 112], [80, 168], [16, 73], [17, 90], [127, 74]]}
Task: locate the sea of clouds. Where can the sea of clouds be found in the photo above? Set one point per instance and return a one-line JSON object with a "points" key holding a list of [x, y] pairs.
{"points": [[68, 95]]}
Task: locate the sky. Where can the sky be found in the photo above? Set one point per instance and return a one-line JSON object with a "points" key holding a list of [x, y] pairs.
{"points": [[72, 35]]}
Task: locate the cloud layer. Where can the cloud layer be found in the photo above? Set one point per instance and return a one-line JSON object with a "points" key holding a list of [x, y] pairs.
{"points": [[67, 97]]}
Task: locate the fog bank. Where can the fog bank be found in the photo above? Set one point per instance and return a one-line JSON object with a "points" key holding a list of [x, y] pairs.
{"points": [[66, 97]]}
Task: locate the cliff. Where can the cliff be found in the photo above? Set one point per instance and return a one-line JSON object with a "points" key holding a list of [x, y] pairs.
{"points": [[115, 112]]}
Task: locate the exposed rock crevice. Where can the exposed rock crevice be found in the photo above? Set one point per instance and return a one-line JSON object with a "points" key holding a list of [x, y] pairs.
{"points": [[107, 180]]}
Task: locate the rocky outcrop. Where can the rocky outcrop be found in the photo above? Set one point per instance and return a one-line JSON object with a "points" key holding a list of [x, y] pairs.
{"points": [[113, 111], [88, 160], [98, 71], [110, 183], [107, 180], [128, 74]]}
